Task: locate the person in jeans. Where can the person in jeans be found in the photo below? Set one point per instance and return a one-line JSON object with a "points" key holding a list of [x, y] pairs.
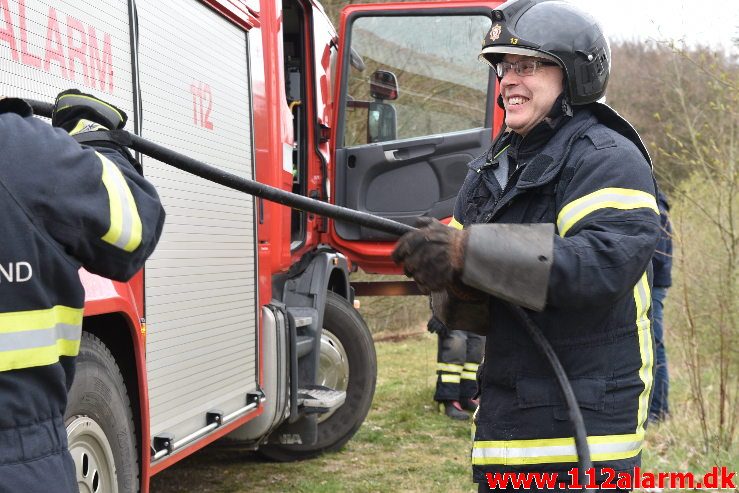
{"points": [[662, 266]]}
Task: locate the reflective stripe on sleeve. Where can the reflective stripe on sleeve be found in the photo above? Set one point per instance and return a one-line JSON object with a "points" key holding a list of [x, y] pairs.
{"points": [[455, 224], [606, 198], [471, 366], [555, 450], [469, 375], [125, 223], [450, 367], [447, 378], [39, 337], [643, 300]]}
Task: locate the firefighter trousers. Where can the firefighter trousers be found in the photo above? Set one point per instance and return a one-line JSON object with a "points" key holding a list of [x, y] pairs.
{"points": [[459, 355]]}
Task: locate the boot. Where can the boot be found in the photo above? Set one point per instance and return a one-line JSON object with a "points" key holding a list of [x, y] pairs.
{"points": [[470, 404], [453, 409]]}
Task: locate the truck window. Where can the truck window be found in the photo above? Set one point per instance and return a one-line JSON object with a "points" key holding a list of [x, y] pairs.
{"points": [[442, 87]]}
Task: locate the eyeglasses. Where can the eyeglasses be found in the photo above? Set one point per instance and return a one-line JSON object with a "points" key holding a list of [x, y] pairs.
{"points": [[521, 67]]}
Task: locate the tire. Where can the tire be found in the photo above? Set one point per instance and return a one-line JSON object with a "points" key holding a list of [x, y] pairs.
{"points": [[344, 332], [99, 420]]}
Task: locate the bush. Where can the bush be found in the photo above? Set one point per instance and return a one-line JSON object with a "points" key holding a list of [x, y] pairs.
{"points": [[701, 137]]}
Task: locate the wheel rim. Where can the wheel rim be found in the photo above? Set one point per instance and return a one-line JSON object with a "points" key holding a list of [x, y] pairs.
{"points": [[92, 455], [333, 366]]}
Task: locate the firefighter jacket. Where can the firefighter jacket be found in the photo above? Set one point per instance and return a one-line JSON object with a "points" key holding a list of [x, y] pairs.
{"points": [[63, 207], [592, 180]]}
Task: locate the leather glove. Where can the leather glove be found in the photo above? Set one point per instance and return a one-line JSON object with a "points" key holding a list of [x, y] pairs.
{"points": [[73, 109], [433, 256], [436, 326]]}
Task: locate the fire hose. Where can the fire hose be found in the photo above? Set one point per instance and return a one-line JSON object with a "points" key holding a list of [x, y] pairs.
{"points": [[302, 203]]}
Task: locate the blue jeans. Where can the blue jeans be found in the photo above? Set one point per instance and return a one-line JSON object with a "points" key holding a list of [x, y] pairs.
{"points": [[659, 407]]}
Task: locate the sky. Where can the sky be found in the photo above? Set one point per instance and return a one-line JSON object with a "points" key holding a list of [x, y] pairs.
{"points": [[706, 22]]}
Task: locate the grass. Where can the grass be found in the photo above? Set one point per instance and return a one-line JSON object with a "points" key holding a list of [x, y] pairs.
{"points": [[405, 445], [676, 444]]}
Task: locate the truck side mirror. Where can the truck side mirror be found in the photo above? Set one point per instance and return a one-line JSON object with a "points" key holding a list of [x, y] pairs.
{"points": [[382, 122], [383, 85]]}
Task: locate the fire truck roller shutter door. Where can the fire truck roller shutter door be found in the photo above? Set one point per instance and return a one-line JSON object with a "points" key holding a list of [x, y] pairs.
{"points": [[201, 303], [50, 46]]}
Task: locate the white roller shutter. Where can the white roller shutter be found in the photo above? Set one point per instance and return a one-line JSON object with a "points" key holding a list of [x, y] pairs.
{"points": [[200, 282], [47, 46]]}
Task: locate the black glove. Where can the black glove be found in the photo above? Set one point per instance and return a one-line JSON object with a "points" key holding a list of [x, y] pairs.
{"points": [[436, 326], [434, 256], [71, 106]]}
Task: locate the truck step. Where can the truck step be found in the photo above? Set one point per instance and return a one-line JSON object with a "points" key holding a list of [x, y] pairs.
{"points": [[320, 399], [303, 321], [304, 345]]}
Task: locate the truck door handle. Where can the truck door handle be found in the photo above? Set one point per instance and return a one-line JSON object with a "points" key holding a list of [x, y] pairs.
{"points": [[407, 153]]}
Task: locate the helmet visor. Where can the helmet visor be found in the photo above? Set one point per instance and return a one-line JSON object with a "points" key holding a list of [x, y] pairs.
{"points": [[494, 54]]}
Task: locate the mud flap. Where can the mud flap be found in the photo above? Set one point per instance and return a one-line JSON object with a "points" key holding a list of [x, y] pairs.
{"points": [[304, 431]]}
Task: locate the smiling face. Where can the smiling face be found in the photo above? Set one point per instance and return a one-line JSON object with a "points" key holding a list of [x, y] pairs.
{"points": [[528, 99]]}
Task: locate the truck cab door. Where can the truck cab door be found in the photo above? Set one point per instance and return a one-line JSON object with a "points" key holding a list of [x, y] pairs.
{"points": [[413, 106]]}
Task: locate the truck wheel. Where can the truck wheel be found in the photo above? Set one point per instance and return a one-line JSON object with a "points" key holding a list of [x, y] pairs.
{"points": [[347, 362], [99, 423]]}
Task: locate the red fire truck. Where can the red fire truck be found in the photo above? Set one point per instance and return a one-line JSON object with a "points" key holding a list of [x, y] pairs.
{"points": [[243, 325]]}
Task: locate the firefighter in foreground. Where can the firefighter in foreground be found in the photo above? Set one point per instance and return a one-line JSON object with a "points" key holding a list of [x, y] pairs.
{"points": [[64, 206], [559, 217]]}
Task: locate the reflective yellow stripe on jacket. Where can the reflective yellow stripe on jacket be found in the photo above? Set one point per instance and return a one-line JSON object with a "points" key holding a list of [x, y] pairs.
{"points": [[602, 447], [455, 224], [605, 198], [643, 300], [39, 337], [125, 223], [554, 450]]}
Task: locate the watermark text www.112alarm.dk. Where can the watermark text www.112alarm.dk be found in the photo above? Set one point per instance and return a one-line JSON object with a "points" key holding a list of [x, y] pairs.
{"points": [[607, 478]]}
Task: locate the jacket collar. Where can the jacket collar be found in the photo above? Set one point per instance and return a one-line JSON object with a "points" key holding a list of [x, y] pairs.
{"points": [[546, 165]]}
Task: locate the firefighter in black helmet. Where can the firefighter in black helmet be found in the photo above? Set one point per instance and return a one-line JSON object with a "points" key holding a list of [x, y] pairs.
{"points": [[559, 217], [64, 207]]}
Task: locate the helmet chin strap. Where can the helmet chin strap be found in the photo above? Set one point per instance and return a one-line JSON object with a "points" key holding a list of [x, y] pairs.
{"points": [[561, 106], [565, 106]]}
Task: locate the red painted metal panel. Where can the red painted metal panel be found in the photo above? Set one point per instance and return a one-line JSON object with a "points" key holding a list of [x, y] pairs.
{"points": [[240, 12]]}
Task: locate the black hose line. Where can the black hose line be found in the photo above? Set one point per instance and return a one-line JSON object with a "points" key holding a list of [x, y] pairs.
{"points": [[573, 408], [302, 203]]}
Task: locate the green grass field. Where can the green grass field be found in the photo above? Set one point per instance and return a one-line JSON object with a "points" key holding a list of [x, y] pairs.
{"points": [[405, 445]]}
